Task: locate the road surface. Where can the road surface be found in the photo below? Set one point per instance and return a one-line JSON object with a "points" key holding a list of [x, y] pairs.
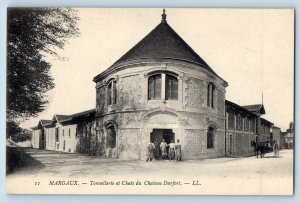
{"points": [[245, 175]]}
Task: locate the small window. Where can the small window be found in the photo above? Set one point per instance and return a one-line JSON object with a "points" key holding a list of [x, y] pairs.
{"points": [[69, 132], [210, 137], [154, 87], [63, 132], [171, 87]]}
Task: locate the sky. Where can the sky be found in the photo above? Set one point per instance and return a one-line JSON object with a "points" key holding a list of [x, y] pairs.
{"points": [[251, 49]]}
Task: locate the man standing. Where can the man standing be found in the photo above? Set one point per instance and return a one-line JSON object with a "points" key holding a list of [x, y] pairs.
{"points": [[156, 150], [150, 151], [276, 149], [163, 148], [178, 151]]}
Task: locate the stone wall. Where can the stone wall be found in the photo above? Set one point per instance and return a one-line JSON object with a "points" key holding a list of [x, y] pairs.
{"points": [[135, 117], [241, 143]]}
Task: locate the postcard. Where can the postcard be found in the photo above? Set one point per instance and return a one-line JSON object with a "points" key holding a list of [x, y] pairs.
{"points": [[140, 101]]}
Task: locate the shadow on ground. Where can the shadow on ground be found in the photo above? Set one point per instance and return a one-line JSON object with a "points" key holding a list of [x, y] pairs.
{"points": [[275, 157], [17, 159]]}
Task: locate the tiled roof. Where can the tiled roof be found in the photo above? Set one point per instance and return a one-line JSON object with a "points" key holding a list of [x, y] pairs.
{"points": [[61, 117], [241, 108], [161, 43], [255, 108], [82, 114], [45, 122]]}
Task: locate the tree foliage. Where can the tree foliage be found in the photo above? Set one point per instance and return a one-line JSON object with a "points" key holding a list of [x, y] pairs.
{"points": [[33, 33]]}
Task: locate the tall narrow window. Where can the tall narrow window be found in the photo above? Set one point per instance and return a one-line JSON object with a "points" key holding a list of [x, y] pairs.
{"points": [[239, 122], [246, 124], [56, 135], [171, 87], [210, 137], [252, 125], [231, 120], [111, 93], [114, 92], [210, 95], [154, 87]]}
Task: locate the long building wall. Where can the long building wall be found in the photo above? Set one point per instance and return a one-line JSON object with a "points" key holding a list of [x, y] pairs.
{"points": [[238, 143]]}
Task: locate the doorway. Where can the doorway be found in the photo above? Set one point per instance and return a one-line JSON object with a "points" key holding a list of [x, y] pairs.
{"points": [[160, 134], [43, 140]]}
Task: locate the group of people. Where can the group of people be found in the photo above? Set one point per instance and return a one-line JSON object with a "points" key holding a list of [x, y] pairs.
{"points": [[264, 147], [156, 150]]}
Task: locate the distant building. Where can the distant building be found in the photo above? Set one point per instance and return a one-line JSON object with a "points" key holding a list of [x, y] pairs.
{"points": [[277, 136], [289, 137]]}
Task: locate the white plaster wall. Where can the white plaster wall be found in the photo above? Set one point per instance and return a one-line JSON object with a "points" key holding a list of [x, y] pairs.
{"points": [[35, 139]]}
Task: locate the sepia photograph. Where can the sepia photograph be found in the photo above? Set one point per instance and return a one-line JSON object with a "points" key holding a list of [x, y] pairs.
{"points": [[150, 101]]}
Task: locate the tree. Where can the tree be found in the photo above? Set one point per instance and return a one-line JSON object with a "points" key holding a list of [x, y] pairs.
{"points": [[33, 33]]}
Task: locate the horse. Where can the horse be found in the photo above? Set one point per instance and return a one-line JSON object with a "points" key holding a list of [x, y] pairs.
{"points": [[259, 148]]}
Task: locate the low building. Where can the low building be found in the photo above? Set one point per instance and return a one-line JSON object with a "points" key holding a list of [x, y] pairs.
{"points": [[78, 133], [38, 137], [65, 133]]}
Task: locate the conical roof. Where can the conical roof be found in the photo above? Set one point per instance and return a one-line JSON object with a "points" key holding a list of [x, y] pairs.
{"points": [[162, 43]]}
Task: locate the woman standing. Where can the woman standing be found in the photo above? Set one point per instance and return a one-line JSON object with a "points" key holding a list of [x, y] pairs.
{"points": [[150, 151], [163, 148], [172, 150]]}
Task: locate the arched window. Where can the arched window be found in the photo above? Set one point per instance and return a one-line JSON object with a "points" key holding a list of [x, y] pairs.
{"points": [[154, 87], [210, 95], [111, 136], [171, 87], [111, 93], [210, 137]]}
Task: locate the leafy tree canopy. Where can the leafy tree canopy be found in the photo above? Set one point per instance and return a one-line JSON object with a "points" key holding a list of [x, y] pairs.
{"points": [[33, 33]]}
